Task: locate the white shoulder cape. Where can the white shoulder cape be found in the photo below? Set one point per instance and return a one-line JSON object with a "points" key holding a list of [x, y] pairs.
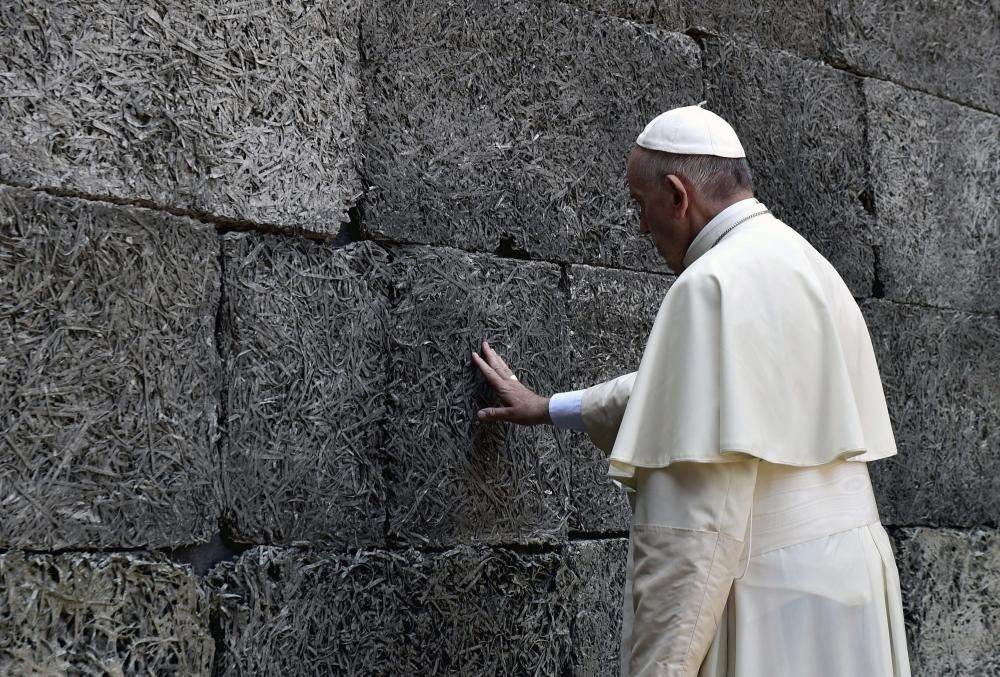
{"points": [[758, 349]]}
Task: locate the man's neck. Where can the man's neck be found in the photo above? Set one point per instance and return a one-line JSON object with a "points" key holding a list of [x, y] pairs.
{"points": [[735, 208], [714, 208]]}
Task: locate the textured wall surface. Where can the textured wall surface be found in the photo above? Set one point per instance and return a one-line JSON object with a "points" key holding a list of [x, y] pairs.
{"points": [[246, 110], [109, 376], [247, 249], [99, 614]]}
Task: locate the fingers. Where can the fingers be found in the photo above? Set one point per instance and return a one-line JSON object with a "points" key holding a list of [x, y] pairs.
{"points": [[492, 414], [495, 361], [494, 379]]}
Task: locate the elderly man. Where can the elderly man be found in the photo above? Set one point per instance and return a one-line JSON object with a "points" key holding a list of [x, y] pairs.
{"points": [[745, 434]]}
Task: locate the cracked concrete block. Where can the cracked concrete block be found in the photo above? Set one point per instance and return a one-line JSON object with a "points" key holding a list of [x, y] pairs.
{"points": [[463, 611], [240, 110], [101, 614], [799, 26], [945, 48], [109, 376], [951, 599], [450, 478], [611, 313], [305, 344], [935, 170], [598, 588], [802, 125], [939, 369], [504, 127]]}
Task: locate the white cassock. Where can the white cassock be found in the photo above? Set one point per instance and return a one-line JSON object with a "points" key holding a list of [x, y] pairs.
{"points": [[745, 433]]}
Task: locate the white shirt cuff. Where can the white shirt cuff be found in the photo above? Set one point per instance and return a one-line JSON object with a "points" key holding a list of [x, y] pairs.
{"points": [[566, 410]]}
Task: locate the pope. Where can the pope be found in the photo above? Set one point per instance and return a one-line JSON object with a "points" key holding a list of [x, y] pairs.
{"points": [[756, 548]]}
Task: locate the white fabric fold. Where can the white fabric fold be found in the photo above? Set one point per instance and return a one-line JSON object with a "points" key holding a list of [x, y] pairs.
{"points": [[688, 535], [602, 409]]}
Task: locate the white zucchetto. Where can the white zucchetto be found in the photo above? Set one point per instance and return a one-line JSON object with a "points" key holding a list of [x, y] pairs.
{"points": [[691, 130]]}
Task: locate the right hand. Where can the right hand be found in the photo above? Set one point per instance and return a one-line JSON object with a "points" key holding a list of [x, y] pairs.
{"points": [[520, 404]]}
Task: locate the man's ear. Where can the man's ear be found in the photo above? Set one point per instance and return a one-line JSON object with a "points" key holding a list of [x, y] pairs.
{"points": [[678, 193]]}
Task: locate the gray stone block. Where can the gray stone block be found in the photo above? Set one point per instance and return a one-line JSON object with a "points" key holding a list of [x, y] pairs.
{"points": [[599, 583], [463, 611], [611, 313], [645, 11], [506, 126], [939, 369], [101, 614], [951, 599], [450, 478], [945, 48], [802, 125], [935, 170], [108, 375], [247, 111], [305, 345], [796, 25]]}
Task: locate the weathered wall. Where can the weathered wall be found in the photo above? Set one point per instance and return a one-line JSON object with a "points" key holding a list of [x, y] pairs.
{"points": [[246, 250]]}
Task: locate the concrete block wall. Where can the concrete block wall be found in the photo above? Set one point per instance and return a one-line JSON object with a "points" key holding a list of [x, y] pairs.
{"points": [[246, 250]]}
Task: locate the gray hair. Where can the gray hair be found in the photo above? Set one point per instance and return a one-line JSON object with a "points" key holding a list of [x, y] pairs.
{"points": [[713, 176]]}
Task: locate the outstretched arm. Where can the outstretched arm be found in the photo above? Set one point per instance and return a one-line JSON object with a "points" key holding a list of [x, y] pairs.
{"points": [[598, 410], [603, 407]]}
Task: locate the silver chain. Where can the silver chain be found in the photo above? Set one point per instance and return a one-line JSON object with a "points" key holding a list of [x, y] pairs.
{"points": [[743, 220]]}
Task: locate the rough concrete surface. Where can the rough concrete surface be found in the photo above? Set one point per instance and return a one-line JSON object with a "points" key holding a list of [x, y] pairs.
{"points": [[795, 25], [951, 598], [505, 126], [463, 611], [101, 614], [450, 478], [599, 570], [939, 369], [242, 110], [611, 313], [645, 11], [950, 49], [802, 125], [935, 175], [108, 375], [305, 342]]}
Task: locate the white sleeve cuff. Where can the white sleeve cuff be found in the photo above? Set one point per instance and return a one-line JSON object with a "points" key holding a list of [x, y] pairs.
{"points": [[566, 410]]}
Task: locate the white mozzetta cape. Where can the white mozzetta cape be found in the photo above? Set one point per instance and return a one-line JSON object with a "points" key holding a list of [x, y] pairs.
{"points": [[758, 349]]}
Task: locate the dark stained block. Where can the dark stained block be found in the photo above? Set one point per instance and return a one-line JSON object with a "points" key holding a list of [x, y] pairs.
{"points": [[946, 48], [463, 611], [452, 479], [951, 599], [611, 313], [802, 125], [109, 376], [939, 369], [240, 110], [597, 591], [506, 126], [101, 614], [305, 348], [935, 174]]}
